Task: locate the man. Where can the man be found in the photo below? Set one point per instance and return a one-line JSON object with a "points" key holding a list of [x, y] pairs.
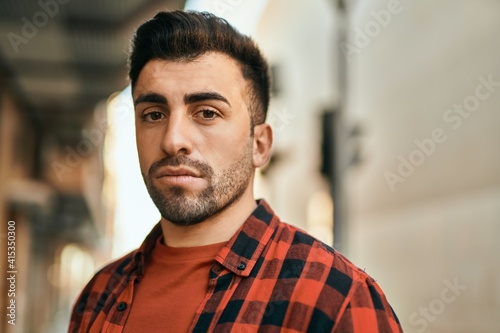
{"points": [[218, 261]]}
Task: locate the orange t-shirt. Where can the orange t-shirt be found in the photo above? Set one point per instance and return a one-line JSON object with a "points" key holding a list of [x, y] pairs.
{"points": [[175, 282]]}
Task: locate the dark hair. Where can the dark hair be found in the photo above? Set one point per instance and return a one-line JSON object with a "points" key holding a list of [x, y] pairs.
{"points": [[184, 36]]}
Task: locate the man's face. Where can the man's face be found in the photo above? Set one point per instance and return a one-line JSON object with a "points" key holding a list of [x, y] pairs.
{"points": [[193, 135]]}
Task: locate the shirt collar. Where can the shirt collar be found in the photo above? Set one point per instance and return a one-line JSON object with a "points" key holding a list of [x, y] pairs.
{"points": [[241, 252], [246, 246]]}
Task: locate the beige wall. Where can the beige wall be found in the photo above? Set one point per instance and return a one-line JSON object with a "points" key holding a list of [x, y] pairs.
{"points": [[440, 221]]}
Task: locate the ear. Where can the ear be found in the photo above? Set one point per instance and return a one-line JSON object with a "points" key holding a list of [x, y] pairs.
{"points": [[262, 144]]}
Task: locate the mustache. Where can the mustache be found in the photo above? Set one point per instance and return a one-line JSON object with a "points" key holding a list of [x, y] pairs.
{"points": [[174, 161]]}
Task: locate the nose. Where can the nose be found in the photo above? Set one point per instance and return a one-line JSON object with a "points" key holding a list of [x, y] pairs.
{"points": [[177, 138]]}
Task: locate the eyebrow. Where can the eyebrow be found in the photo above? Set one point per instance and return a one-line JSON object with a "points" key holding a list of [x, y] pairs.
{"points": [[205, 96], [150, 98], [188, 98]]}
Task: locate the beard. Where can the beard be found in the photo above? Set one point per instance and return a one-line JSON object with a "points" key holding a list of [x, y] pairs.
{"points": [[224, 188]]}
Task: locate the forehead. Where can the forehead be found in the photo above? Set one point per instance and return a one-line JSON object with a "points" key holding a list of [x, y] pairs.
{"points": [[210, 71]]}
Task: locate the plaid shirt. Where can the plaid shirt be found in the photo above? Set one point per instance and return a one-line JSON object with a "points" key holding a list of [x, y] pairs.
{"points": [[270, 277]]}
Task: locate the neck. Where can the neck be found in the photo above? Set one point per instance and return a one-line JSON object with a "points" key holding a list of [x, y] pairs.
{"points": [[215, 229]]}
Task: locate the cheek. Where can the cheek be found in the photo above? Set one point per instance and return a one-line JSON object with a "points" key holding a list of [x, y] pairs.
{"points": [[227, 150]]}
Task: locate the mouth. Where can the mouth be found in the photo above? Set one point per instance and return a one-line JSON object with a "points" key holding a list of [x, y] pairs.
{"points": [[177, 172], [180, 176]]}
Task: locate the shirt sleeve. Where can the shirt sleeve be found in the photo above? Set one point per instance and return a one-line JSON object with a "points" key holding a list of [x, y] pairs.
{"points": [[367, 311]]}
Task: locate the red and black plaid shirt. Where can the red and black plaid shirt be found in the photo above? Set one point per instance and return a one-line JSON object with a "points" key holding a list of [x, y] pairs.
{"points": [[270, 277]]}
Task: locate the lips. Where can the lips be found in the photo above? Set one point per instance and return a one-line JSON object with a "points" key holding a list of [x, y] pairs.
{"points": [[177, 172], [180, 177]]}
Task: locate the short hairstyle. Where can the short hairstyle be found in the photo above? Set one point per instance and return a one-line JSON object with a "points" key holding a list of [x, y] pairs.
{"points": [[184, 36]]}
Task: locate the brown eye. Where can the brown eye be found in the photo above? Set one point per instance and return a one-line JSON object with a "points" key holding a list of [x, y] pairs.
{"points": [[153, 116], [208, 114]]}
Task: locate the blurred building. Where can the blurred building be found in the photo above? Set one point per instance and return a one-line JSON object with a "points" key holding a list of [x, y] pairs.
{"points": [[386, 130], [59, 63]]}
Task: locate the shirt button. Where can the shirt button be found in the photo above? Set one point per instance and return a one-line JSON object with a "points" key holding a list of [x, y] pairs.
{"points": [[121, 306], [242, 266]]}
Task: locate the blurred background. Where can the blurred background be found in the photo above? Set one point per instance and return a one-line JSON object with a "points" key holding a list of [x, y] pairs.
{"points": [[387, 144]]}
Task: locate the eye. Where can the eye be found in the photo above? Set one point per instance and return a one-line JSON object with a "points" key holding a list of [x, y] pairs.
{"points": [[153, 116], [207, 114]]}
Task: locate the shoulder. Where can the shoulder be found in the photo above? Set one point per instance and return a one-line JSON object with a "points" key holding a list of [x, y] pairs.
{"points": [[306, 248], [102, 283], [341, 292]]}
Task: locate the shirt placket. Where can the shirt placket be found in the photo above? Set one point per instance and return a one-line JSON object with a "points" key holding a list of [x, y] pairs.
{"points": [[208, 313]]}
